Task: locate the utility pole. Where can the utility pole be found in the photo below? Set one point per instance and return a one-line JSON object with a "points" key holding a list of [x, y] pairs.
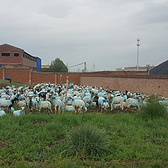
{"points": [[138, 45], [85, 67], [93, 67]]}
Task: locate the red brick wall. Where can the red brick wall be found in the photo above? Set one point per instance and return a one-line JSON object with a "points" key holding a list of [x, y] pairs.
{"points": [[150, 85], [115, 73], [21, 75], [38, 77], [72, 77], [29, 62]]}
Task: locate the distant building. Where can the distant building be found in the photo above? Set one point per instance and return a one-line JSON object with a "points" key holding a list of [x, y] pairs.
{"points": [[161, 69], [11, 57], [145, 68], [45, 66]]}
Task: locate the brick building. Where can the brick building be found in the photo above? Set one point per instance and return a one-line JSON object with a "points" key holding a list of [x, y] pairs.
{"points": [[11, 57]]}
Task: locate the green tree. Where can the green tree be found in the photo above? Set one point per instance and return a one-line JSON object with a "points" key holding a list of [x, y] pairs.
{"points": [[58, 66]]}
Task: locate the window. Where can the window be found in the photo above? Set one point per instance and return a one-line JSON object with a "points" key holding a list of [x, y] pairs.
{"points": [[5, 54], [16, 54]]}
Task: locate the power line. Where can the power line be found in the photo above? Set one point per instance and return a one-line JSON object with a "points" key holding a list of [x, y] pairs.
{"points": [[78, 65]]}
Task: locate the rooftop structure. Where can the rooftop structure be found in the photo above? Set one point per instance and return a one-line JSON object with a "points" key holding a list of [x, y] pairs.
{"points": [[140, 68]]}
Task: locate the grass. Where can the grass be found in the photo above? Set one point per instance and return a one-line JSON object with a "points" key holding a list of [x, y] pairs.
{"points": [[153, 109], [4, 83], [87, 141], [40, 140]]}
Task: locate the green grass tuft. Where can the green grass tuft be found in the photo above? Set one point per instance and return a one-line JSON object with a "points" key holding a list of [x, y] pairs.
{"points": [[87, 141], [153, 109]]}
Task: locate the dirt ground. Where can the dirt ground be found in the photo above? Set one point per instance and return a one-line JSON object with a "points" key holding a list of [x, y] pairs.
{"points": [[114, 111]]}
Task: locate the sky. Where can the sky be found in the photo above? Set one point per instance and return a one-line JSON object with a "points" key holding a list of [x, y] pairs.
{"points": [[102, 33]]}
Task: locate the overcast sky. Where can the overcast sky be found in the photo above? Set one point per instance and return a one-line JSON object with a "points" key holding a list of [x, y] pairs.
{"points": [[102, 33]]}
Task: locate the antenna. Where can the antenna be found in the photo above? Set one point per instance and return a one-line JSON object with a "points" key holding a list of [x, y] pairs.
{"points": [[85, 67], [93, 67], [138, 45]]}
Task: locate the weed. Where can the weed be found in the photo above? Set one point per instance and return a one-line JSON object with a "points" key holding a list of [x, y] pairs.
{"points": [[153, 109], [87, 141]]}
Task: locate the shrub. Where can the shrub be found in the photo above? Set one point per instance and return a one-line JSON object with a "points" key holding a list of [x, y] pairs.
{"points": [[87, 141], [153, 108]]}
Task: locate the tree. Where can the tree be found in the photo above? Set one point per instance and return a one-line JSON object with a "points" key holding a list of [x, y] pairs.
{"points": [[58, 66]]}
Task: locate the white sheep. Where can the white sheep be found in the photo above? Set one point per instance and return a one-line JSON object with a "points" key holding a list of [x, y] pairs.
{"points": [[69, 108], [44, 105], [21, 103], [103, 104], [58, 104], [19, 112], [5, 103], [88, 99], [79, 105], [32, 103], [116, 100], [131, 102], [2, 112]]}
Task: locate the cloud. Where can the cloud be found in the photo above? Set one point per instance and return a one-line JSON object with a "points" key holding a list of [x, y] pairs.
{"points": [[99, 32], [152, 13]]}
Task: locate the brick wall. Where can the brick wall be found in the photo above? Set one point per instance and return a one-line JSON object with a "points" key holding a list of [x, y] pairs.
{"points": [[29, 63], [21, 75], [149, 85], [38, 77], [60, 78], [115, 73], [34, 77]]}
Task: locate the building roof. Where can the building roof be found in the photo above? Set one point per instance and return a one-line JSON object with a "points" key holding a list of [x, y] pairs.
{"points": [[11, 46], [45, 66], [20, 49], [161, 69]]}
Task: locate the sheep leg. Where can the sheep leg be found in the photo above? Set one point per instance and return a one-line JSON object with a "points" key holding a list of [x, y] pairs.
{"points": [[59, 110], [55, 109], [81, 111], [75, 110], [101, 109], [112, 107], [122, 107]]}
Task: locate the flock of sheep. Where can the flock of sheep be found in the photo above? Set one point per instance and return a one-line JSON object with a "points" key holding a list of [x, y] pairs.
{"points": [[75, 98]]}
